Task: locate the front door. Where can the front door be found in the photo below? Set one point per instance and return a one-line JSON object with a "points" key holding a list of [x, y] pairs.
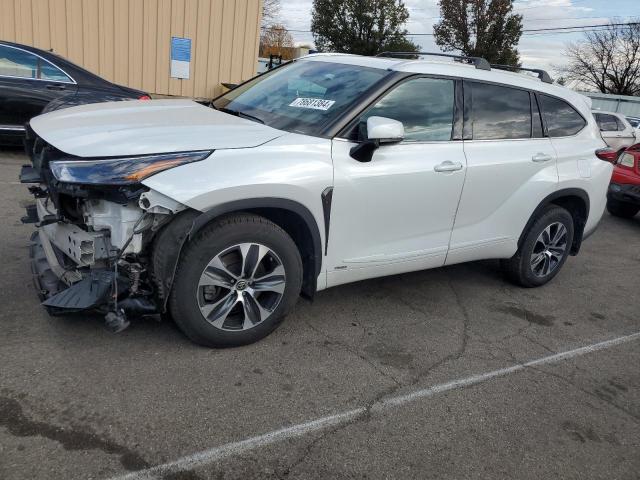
{"points": [[395, 213]]}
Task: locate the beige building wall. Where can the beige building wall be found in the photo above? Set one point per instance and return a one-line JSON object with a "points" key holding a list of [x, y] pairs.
{"points": [[129, 41]]}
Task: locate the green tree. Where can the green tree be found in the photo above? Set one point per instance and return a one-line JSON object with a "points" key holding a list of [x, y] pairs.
{"points": [[364, 27], [480, 28]]}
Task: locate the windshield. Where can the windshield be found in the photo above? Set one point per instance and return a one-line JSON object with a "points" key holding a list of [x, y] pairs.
{"points": [[301, 97]]}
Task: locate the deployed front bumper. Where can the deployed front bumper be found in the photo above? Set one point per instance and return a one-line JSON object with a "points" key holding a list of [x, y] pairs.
{"points": [[93, 243], [70, 266]]}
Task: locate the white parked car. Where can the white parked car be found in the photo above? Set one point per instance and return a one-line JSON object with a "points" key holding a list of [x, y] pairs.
{"points": [[635, 123], [616, 130], [328, 170]]}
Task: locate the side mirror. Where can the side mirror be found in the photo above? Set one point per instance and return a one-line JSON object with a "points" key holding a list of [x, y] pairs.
{"points": [[385, 130], [380, 130]]}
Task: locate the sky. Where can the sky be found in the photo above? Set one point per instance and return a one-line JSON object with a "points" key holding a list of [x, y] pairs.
{"points": [[536, 50]]}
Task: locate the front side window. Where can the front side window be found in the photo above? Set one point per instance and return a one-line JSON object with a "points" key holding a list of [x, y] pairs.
{"points": [[302, 97], [423, 105], [561, 118], [21, 64], [17, 63], [499, 112]]}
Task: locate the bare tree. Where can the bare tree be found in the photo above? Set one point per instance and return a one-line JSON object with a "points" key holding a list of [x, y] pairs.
{"points": [[608, 60], [276, 36], [270, 12]]}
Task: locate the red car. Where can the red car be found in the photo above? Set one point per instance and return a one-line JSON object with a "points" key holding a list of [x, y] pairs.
{"points": [[623, 198]]}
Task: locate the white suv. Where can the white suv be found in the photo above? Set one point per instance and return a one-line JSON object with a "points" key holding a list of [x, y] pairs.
{"points": [[616, 130], [328, 170]]}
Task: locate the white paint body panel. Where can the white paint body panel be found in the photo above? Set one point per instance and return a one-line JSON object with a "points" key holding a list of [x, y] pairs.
{"points": [[503, 187], [293, 167], [141, 127], [393, 214]]}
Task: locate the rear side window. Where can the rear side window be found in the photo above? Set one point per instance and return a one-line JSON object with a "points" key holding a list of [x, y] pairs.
{"points": [[499, 112], [621, 126], [54, 74], [606, 123], [561, 118]]}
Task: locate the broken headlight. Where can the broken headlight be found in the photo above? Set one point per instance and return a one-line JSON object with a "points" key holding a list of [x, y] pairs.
{"points": [[121, 171]]}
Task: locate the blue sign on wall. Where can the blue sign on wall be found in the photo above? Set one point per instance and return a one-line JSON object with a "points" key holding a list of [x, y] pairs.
{"points": [[180, 57]]}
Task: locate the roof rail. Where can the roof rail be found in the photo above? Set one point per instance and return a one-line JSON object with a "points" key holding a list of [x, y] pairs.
{"points": [[479, 62], [542, 74]]}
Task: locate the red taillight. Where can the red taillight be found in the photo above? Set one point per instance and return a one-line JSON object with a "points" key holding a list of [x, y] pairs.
{"points": [[607, 154], [145, 97]]}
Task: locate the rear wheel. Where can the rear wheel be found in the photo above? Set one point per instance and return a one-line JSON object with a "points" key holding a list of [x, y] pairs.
{"points": [[544, 249], [621, 209], [236, 281]]}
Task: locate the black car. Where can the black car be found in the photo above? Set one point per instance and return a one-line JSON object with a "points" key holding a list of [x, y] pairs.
{"points": [[33, 81]]}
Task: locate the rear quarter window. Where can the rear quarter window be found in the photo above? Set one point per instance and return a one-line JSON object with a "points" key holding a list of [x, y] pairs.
{"points": [[561, 118]]}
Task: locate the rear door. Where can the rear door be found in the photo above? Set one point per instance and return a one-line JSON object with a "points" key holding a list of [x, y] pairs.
{"points": [[511, 166], [27, 83]]}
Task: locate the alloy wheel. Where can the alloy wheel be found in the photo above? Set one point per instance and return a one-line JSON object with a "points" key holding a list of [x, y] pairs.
{"points": [[241, 287], [549, 249]]}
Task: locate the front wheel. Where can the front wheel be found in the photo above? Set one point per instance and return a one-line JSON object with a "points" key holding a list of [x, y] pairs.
{"points": [[621, 209], [236, 281], [544, 249]]}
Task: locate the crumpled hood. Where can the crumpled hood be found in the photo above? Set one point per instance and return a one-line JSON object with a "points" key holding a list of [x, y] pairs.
{"points": [[141, 127]]}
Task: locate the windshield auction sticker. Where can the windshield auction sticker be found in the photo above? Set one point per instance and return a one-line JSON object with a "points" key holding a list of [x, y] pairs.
{"points": [[314, 103]]}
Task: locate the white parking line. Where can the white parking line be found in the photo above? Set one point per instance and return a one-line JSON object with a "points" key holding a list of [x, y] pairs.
{"points": [[235, 448]]}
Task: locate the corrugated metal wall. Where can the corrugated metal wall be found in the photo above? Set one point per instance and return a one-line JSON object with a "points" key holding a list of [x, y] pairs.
{"points": [[626, 105], [128, 41]]}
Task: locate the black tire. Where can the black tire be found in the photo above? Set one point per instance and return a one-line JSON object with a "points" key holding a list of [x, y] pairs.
{"points": [[519, 268], [213, 240], [622, 210]]}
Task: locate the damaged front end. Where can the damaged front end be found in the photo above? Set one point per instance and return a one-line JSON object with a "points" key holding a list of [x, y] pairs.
{"points": [[97, 223]]}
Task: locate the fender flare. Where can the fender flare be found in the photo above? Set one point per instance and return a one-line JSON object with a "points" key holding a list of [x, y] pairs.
{"points": [[199, 220], [565, 192], [266, 202]]}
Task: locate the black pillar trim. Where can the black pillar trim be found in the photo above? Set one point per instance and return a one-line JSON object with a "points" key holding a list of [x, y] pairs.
{"points": [[327, 197]]}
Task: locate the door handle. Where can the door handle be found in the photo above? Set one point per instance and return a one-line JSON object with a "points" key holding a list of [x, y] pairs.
{"points": [[56, 87], [448, 167], [541, 157]]}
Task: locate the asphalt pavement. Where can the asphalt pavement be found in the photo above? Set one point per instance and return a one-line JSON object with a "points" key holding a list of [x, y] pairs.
{"points": [[448, 373]]}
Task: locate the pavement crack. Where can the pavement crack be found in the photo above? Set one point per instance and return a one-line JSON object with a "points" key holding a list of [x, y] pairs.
{"points": [[355, 352], [366, 415], [18, 424]]}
